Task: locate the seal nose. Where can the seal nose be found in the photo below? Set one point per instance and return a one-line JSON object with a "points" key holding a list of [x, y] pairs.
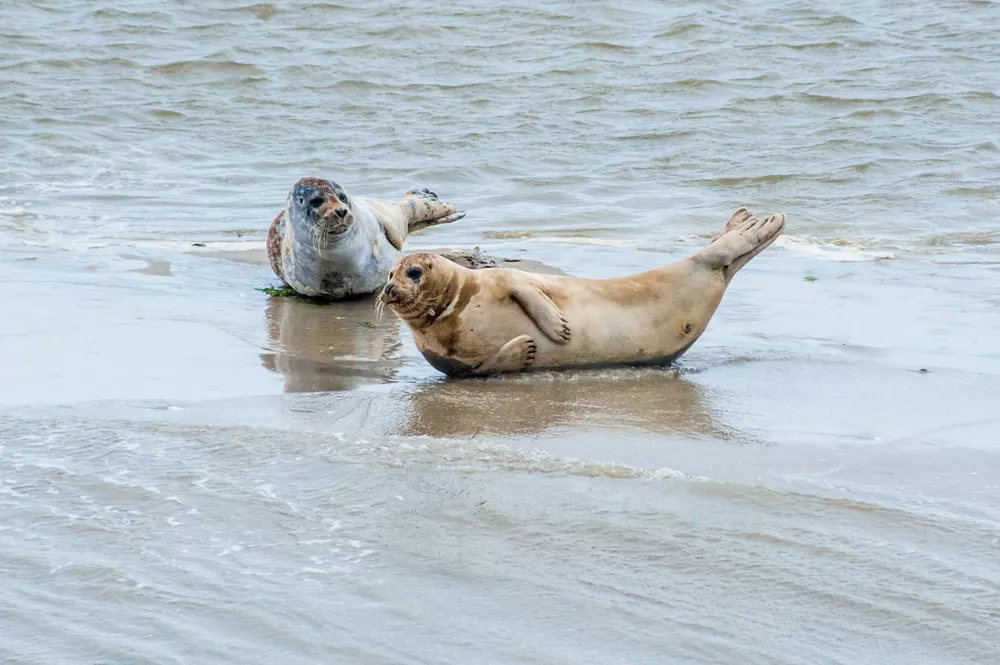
{"points": [[389, 288], [341, 212]]}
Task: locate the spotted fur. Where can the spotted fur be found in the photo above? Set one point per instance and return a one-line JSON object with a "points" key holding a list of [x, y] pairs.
{"points": [[331, 244]]}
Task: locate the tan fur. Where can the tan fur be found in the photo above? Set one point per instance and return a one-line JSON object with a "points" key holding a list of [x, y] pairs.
{"points": [[469, 322]]}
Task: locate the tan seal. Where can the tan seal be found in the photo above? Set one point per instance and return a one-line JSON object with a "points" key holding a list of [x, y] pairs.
{"points": [[497, 320]]}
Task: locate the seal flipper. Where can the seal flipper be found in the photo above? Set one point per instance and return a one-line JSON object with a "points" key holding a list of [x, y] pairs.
{"points": [[275, 234], [515, 356], [744, 237], [429, 210], [418, 210], [545, 313]]}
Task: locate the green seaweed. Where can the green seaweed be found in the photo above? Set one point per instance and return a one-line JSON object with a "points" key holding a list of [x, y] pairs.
{"points": [[289, 292], [809, 278], [284, 292]]}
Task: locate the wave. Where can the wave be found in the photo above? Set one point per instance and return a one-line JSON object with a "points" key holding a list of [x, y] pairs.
{"points": [[828, 251], [200, 66]]}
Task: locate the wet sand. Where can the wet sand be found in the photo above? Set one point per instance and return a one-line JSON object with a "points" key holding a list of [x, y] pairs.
{"points": [[287, 447], [840, 478]]}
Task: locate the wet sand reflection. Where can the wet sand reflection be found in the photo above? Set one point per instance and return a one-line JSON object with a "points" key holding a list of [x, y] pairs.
{"points": [[336, 347], [654, 400], [330, 347]]}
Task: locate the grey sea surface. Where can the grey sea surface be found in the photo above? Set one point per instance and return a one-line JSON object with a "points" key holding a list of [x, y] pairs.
{"points": [[192, 471]]}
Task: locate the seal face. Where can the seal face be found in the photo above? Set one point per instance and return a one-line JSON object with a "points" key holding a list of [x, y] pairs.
{"points": [[329, 243], [321, 206], [495, 320]]}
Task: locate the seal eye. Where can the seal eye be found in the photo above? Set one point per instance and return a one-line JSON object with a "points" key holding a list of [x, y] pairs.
{"points": [[342, 197], [316, 201], [414, 274]]}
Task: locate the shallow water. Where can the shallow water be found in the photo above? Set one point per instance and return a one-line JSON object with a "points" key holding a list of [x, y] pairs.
{"points": [[192, 471]]}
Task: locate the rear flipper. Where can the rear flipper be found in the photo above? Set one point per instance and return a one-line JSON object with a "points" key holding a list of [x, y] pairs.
{"points": [[428, 210], [275, 234], [419, 209], [516, 355], [744, 237]]}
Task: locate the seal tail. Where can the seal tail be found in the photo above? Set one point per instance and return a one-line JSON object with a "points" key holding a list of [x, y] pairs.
{"points": [[744, 237]]}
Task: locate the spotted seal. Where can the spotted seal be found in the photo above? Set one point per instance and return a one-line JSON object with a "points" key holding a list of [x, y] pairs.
{"points": [[329, 243]]}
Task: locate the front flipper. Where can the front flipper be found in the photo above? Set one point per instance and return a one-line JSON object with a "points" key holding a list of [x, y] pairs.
{"points": [[546, 315], [515, 356]]}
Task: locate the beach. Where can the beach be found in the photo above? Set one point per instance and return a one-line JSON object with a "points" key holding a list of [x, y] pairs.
{"points": [[194, 471]]}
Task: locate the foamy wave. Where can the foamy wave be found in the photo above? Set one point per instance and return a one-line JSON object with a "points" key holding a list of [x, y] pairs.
{"points": [[178, 245], [468, 457], [829, 252], [570, 240], [822, 249], [16, 212], [234, 246], [174, 245], [12, 211]]}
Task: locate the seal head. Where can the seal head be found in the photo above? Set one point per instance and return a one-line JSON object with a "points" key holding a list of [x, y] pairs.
{"points": [[321, 208], [420, 288], [427, 292]]}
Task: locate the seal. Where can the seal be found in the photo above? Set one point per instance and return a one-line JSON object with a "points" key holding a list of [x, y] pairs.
{"points": [[326, 348], [498, 320], [331, 244]]}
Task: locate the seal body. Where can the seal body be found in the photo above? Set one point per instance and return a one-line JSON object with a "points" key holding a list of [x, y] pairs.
{"points": [[469, 323], [355, 261], [328, 243]]}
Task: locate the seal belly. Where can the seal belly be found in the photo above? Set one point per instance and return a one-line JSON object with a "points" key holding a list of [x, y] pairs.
{"points": [[331, 244], [445, 365], [356, 263]]}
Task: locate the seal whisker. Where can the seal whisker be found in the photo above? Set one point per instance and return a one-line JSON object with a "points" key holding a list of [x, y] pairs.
{"points": [[421, 303], [324, 236], [314, 236], [412, 310], [407, 309]]}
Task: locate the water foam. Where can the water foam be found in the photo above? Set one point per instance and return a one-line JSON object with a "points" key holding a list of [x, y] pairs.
{"points": [[827, 251]]}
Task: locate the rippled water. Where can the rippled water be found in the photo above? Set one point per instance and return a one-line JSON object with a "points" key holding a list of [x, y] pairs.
{"points": [[193, 472]]}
